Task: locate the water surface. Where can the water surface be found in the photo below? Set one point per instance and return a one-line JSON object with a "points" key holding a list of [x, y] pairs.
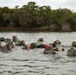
{"points": [[34, 62]]}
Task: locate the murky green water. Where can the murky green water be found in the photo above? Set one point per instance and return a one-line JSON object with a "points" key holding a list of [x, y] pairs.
{"points": [[34, 62]]}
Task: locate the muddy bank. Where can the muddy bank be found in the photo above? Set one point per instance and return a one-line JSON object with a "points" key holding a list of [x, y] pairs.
{"points": [[21, 29]]}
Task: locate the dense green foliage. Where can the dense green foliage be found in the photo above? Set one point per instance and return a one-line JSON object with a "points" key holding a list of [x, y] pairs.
{"points": [[32, 16]]}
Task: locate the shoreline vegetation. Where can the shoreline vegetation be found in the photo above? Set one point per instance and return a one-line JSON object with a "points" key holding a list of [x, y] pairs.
{"points": [[32, 17]]}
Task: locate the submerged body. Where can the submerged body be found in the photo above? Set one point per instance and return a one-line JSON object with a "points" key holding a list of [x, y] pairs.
{"points": [[71, 52]]}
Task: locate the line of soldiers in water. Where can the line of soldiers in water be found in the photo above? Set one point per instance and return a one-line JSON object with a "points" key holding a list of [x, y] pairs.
{"points": [[49, 48]]}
